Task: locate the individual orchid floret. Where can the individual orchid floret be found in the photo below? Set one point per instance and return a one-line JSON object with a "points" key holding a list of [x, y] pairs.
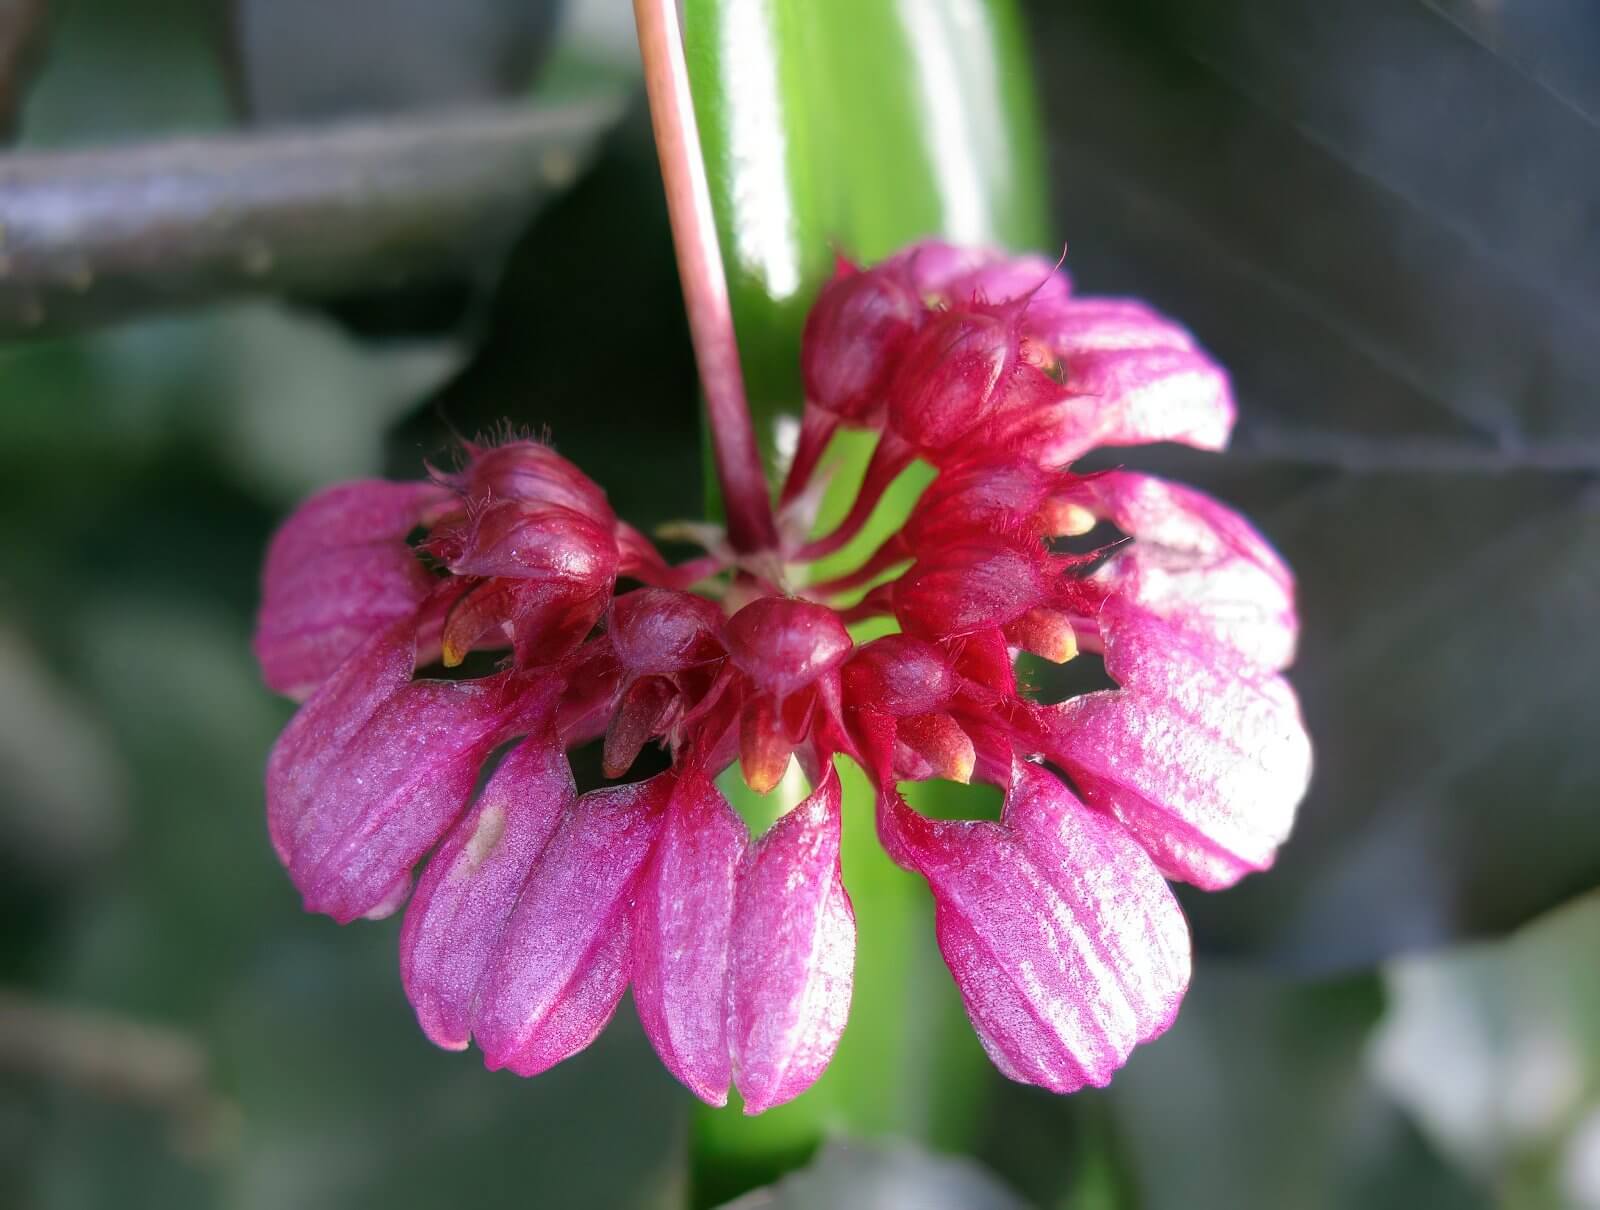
{"points": [[1003, 497], [546, 573], [375, 768], [911, 684], [668, 648], [683, 932], [790, 652], [455, 920], [539, 900], [563, 960], [951, 376], [986, 582], [528, 472], [1193, 563]]}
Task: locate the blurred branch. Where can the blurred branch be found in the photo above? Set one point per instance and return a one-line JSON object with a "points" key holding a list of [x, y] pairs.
{"points": [[90, 236]]}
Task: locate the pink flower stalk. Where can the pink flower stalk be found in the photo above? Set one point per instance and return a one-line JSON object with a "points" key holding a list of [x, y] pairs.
{"points": [[537, 905]]}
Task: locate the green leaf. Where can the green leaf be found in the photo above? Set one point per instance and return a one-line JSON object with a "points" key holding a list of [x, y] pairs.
{"points": [[1368, 212], [855, 128]]}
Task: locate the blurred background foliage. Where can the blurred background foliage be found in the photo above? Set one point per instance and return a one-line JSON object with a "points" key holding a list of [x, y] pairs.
{"points": [[1383, 216]]}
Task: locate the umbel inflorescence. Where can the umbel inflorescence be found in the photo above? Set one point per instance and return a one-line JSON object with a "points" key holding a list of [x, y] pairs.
{"points": [[530, 908]]}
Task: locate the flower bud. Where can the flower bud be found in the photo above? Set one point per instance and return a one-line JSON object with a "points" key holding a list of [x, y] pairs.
{"points": [[783, 645], [899, 675], [853, 339], [545, 542], [531, 473], [658, 630], [951, 376], [1003, 497], [969, 586]]}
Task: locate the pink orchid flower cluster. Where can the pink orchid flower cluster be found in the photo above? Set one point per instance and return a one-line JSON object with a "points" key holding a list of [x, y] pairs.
{"points": [[537, 906]]}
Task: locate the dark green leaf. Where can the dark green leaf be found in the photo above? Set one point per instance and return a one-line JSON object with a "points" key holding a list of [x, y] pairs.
{"points": [[1380, 217]]}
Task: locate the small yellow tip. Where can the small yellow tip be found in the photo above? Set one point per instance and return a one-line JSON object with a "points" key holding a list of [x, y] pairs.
{"points": [[940, 741], [1061, 647], [961, 769], [763, 776], [1063, 519], [1045, 632], [452, 655]]}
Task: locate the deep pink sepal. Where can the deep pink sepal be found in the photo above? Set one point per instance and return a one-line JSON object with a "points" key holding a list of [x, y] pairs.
{"points": [[338, 571], [792, 955], [563, 960], [1203, 757], [375, 768], [683, 918], [1064, 940], [454, 921]]}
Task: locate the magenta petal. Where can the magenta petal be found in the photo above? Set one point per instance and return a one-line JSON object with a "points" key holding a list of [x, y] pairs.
{"points": [[793, 954], [961, 274], [1196, 564], [584, 1008], [682, 925], [1076, 326], [1156, 394], [309, 748], [337, 572], [562, 964], [1203, 758], [395, 791], [453, 925], [1064, 940], [375, 768], [1118, 397]]}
